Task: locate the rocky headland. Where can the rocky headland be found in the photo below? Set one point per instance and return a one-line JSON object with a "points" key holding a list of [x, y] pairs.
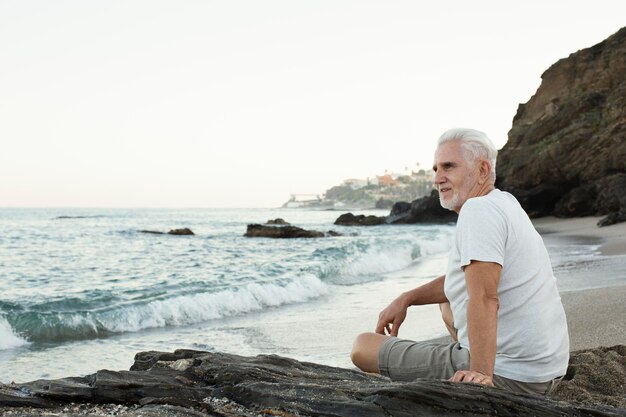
{"points": [[566, 151]]}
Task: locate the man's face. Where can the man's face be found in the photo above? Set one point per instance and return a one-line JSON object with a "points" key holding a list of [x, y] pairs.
{"points": [[456, 178]]}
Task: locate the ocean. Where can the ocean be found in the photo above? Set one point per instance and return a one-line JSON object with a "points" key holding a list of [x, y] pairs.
{"points": [[84, 289]]}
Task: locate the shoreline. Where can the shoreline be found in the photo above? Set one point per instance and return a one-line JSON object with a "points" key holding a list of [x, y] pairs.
{"points": [[594, 315], [613, 237]]}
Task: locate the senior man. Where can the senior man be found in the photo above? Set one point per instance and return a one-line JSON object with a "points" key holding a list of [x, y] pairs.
{"points": [[498, 298]]}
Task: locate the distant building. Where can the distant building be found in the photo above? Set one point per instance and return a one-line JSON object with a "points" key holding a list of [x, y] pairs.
{"points": [[387, 180], [423, 175]]}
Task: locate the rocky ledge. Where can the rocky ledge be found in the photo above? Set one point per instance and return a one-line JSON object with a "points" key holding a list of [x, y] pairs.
{"points": [[188, 382]]}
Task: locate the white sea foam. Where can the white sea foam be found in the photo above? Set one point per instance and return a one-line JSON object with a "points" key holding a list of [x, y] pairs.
{"points": [[8, 338], [378, 260], [197, 308]]}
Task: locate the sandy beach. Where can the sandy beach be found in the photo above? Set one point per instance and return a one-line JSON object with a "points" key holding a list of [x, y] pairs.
{"points": [[595, 316]]}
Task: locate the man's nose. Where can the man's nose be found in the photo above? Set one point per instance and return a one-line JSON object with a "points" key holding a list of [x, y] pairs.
{"points": [[438, 177]]}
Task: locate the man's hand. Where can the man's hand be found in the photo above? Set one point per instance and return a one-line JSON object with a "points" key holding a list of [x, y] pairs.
{"points": [[472, 376], [391, 318]]}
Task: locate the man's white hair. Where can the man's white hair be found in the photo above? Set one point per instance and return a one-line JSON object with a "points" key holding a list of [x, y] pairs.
{"points": [[476, 143]]}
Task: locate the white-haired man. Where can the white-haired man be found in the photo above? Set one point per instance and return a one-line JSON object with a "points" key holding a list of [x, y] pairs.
{"points": [[498, 298]]}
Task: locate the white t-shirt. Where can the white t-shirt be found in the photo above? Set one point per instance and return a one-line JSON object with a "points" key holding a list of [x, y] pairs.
{"points": [[532, 338]]}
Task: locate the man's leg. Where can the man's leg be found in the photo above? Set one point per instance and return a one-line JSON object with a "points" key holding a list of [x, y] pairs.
{"points": [[448, 319], [365, 351]]}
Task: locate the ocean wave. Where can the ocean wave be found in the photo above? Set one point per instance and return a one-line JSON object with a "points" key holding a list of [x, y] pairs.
{"points": [[8, 338], [176, 311], [96, 216], [367, 262]]}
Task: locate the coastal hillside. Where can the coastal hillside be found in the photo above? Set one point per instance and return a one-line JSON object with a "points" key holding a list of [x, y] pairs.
{"points": [[566, 150]]}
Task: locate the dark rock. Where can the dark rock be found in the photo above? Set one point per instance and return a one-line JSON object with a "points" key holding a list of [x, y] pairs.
{"points": [[613, 218], [181, 232], [569, 139], [278, 221], [400, 208], [381, 203], [540, 201], [220, 384], [280, 232], [332, 233], [424, 210], [152, 232], [578, 202], [349, 219], [611, 195]]}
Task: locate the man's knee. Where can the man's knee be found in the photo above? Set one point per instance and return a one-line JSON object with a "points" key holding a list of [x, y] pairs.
{"points": [[365, 351]]}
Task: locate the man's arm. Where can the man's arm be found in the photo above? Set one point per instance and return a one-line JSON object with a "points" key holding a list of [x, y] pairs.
{"points": [[481, 279], [392, 317]]}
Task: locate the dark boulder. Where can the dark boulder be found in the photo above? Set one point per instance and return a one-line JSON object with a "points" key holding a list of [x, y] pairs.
{"points": [[540, 200], [424, 210], [578, 202], [280, 232], [349, 219], [332, 233], [219, 384], [181, 232], [611, 194], [277, 221], [401, 207], [613, 218], [381, 203]]}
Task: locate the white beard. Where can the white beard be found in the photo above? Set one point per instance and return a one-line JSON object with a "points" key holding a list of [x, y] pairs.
{"points": [[452, 203]]}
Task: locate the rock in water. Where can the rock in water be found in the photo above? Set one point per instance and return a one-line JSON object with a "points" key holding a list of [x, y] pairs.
{"points": [[181, 232], [566, 151], [279, 221], [151, 232], [280, 232], [349, 219], [222, 384], [423, 210]]}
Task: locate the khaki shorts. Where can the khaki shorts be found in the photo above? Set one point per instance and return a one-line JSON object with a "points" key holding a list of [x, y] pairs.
{"points": [[406, 360]]}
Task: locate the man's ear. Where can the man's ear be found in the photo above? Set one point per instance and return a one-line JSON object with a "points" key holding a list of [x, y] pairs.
{"points": [[484, 171]]}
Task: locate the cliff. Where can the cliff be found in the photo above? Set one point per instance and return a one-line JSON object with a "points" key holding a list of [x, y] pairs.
{"points": [[566, 150]]}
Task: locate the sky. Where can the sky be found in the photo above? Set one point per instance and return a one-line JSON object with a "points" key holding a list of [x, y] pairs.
{"points": [[162, 103]]}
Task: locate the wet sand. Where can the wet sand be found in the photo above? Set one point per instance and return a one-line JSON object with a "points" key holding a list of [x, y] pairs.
{"points": [[595, 316]]}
